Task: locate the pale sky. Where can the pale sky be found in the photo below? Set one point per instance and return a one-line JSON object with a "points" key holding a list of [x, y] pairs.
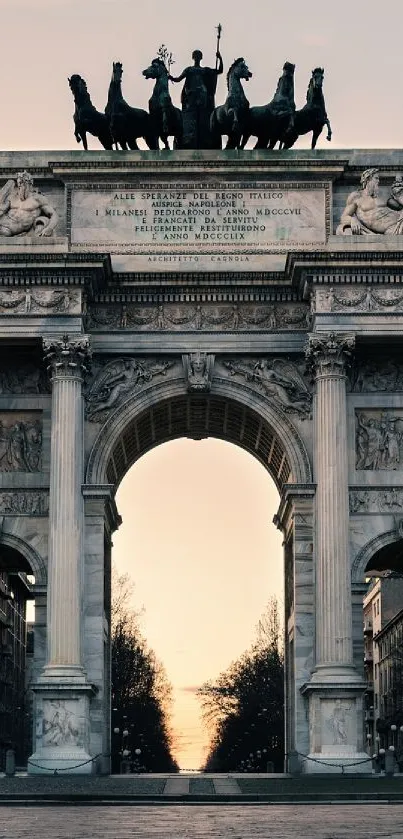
{"points": [[197, 536]]}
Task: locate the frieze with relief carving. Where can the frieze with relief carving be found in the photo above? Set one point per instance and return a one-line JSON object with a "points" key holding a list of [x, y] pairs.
{"points": [[280, 379], [20, 441], [118, 378], [208, 317], [351, 300], [387, 500], [377, 376], [40, 301], [23, 377], [379, 440], [24, 503]]}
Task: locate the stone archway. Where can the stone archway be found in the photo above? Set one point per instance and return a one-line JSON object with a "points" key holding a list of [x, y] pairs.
{"points": [[229, 412], [164, 412]]}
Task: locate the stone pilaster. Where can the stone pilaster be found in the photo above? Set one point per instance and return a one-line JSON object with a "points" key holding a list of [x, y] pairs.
{"points": [[62, 691], [335, 688]]}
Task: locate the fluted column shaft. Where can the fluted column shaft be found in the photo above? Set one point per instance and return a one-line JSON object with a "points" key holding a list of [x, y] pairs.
{"points": [[328, 356], [67, 363]]}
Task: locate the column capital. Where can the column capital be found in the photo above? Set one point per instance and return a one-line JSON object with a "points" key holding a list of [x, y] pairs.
{"points": [[330, 353], [67, 356]]}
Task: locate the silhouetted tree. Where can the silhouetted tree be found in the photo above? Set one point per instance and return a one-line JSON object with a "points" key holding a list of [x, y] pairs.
{"points": [[141, 693], [244, 706]]}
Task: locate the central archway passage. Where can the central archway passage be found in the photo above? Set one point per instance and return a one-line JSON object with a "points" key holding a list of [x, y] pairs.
{"points": [[197, 417]]}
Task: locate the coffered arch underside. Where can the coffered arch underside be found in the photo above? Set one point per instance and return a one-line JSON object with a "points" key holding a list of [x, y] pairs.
{"points": [[230, 412]]}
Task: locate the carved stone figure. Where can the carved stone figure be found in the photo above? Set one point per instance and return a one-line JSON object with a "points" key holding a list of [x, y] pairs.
{"points": [[127, 124], [23, 378], [378, 441], [365, 212], [87, 120], [198, 101], [23, 210], [269, 123], [198, 369], [359, 501], [230, 118], [59, 725], [167, 119], [117, 379], [338, 723], [279, 379], [20, 442]]}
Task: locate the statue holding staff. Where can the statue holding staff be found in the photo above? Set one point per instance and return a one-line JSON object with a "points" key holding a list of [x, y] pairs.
{"points": [[198, 98]]}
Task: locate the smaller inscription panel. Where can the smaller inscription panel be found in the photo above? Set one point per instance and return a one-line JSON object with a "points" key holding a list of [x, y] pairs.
{"points": [[247, 218]]}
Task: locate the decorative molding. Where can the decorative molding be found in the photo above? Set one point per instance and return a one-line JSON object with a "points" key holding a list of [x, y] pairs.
{"points": [[67, 356], [187, 317], [279, 379], [379, 439], [351, 300], [198, 369], [41, 301], [329, 354], [115, 380]]}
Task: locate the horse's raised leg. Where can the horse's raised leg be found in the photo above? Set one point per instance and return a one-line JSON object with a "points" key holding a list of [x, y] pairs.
{"points": [[244, 141], [84, 139]]}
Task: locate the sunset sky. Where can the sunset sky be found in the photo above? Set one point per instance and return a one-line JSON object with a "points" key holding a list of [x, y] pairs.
{"points": [[197, 536]]}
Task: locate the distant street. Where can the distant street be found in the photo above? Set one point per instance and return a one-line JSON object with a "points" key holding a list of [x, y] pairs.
{"points": [[204, 822]]}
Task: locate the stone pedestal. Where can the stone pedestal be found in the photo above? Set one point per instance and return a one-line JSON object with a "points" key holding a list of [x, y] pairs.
{"points": [[335, 689], [62, 691]]}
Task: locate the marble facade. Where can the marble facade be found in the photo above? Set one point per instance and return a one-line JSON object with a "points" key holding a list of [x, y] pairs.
{"points": [[241, 295]]}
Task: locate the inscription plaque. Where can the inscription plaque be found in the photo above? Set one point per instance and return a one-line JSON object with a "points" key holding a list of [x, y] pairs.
{"points": [[150, 219]]}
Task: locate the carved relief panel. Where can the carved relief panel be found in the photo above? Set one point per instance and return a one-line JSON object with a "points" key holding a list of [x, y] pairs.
{"points": [[379, 439], [20, 441]]}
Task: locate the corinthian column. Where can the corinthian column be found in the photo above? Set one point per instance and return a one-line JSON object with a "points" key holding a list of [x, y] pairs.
{"points": [[67, 359], [62, 693], [328, 355]]}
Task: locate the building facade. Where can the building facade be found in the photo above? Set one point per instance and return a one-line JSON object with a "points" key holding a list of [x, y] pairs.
{"points": [[15, 716], [252, 296]]}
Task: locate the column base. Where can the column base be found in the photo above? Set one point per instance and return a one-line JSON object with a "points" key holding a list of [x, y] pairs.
{"points": [[336, 724], [62, 742]]}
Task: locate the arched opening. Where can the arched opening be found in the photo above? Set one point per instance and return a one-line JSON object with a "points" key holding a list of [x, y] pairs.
{"points": [[16, 654], [197, 539]]}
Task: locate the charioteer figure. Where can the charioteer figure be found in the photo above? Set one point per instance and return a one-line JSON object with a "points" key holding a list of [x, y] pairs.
{"points": [[198, 101]]}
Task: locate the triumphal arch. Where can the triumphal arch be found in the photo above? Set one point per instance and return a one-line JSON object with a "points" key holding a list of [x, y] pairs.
{"points": [[253, 296]]}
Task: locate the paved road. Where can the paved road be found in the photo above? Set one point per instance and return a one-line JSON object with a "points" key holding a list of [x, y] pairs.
{"points": [[372, 821]]}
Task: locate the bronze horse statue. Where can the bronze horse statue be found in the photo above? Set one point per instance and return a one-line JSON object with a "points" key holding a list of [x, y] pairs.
{"points": [[229, 119], [127, 124], [269, 123], [313, 116], [167, 119], [86, 117]]}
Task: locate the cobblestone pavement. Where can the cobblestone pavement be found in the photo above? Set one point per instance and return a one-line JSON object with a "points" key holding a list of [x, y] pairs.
{"points": [[357, 821]]}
